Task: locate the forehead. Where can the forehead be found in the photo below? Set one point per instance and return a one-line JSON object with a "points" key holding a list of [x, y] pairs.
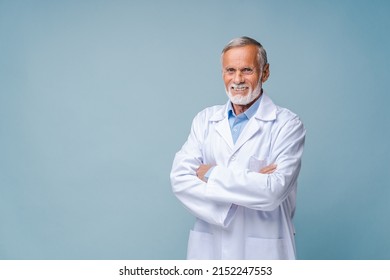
{"points": [[240, 56]]}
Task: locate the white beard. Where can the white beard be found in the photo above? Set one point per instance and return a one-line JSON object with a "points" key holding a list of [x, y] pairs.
{"points": [[244, 99]]}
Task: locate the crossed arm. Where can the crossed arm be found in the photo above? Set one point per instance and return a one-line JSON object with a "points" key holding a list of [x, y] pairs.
{"points": [[263, 190], [203, 168]]}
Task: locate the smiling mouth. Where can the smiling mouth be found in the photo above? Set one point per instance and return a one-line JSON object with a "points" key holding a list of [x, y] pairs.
{"points": [[239, 87]]}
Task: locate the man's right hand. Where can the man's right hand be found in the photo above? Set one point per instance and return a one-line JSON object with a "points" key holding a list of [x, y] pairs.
{"points": [[268, 169]]}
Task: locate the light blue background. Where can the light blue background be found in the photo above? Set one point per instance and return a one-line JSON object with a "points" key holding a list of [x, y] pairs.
{"points": [[97, 96]]}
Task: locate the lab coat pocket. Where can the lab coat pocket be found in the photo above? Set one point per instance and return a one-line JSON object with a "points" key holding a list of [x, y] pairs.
{"points": [[255, 164], [200, 246], [266, 249]]}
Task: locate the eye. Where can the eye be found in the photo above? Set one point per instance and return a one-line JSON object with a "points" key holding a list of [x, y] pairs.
{"points": [[247, 71], [230, 70]]}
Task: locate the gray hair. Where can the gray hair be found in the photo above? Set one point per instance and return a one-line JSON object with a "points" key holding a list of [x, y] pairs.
{"points": [[245, 41]]}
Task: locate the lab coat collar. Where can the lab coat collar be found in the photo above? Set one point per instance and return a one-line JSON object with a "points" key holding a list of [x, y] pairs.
{"points": [[220, 114], [265, 112]]}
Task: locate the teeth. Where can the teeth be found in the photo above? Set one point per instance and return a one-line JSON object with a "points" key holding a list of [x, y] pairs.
{"points": [[239, 87]]}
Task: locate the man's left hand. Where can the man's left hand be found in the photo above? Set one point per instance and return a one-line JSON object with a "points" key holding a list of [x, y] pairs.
{"points": [[202, 170]]}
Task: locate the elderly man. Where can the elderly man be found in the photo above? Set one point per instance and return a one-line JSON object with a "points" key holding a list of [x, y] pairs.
{"points": [[237, 172]]}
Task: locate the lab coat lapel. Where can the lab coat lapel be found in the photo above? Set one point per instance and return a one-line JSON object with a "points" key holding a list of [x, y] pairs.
{"points": [[265, 112], [222, 126], [251, 128]]}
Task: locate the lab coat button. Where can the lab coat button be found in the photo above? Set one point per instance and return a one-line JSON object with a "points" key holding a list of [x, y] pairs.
{"points": [[233, 158]]}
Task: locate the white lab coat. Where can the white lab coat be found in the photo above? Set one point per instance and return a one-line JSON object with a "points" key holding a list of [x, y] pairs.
{"points": [[241, 213]]}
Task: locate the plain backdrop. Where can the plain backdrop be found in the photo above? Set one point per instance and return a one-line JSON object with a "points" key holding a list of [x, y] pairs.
{"points": [[97, 96]]}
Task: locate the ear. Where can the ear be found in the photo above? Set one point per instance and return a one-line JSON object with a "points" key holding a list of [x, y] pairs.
{"points": [[266, 73]]}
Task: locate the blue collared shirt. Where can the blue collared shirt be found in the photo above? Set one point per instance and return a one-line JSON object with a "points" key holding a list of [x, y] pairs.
{"points": [[237, 123]]}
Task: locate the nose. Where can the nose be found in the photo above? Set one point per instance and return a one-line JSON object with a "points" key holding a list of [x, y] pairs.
{"points": [[238, 77]]}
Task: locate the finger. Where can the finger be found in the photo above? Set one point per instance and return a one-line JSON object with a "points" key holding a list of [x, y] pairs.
{"points": [[201, 171], [268, 169]]}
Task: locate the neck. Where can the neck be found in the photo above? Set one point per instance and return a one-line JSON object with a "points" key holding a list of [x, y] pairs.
{"points": [[239, 109]]}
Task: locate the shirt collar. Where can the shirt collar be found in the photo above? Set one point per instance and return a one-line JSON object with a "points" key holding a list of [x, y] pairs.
{"points": [[250, 112]]}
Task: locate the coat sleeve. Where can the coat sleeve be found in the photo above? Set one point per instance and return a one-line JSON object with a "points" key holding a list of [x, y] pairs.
{"points": [[262, 191], [188, 188]]}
